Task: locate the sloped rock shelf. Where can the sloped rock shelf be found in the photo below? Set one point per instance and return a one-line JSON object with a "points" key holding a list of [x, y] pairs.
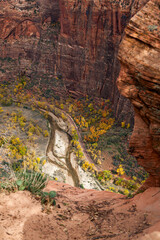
{"points": [[62, 163]]}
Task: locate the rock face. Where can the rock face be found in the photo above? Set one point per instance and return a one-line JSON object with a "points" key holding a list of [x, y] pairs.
{"points": [[90, 33], [139, 55], [62, 162], [28, 42], [137, 5], [76, 40]]}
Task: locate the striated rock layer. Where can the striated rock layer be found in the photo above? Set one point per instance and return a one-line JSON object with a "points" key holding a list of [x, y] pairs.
{"points": [[66, 44], [28, 42], [139, 81]]}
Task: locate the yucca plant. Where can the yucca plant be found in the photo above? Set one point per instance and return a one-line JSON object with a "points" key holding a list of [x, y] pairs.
{"points": [[31, 181]]}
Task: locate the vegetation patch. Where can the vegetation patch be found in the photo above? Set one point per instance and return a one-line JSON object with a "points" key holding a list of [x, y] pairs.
{"points": [[94, 131]]}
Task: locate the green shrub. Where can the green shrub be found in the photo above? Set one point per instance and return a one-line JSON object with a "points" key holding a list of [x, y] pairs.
{"points": [[31, 181], [48, 198], [6, 102]]}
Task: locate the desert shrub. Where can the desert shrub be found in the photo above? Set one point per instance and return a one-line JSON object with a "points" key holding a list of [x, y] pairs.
{"points": [[120, 170], [88, 166], [8, 185], [31, 181], [17, 149], [6, 101], [2, 141], [48, 198], [128, 184], [105, 175]]}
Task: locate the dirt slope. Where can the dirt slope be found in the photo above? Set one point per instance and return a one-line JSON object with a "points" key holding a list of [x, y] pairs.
{"points": [[80, 214]]}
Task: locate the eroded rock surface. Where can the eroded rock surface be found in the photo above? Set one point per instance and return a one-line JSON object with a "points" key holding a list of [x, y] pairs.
{"points": [[139, 81], [62, 162]]}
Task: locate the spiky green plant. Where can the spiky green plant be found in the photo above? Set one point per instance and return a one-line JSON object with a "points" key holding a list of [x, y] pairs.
{"points": [[31, 181]]}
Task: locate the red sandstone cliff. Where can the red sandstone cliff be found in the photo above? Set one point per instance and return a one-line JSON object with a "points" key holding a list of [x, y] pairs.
{"points": [[89, 40], [139, 81], [74, 39], [90, 33], [28, 41]]}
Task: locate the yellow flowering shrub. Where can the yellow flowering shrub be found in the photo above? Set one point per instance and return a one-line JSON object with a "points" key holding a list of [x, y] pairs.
{"points": [[128, 125], [88, 166], [123, 124], [104, 176], [61, 106], [120, 170], [45, 133], [17, 149], [63, 116], [32, 163], [1, 110]]}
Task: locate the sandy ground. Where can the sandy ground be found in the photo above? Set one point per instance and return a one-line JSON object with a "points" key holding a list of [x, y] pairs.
{"points": [[80, 214]]}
